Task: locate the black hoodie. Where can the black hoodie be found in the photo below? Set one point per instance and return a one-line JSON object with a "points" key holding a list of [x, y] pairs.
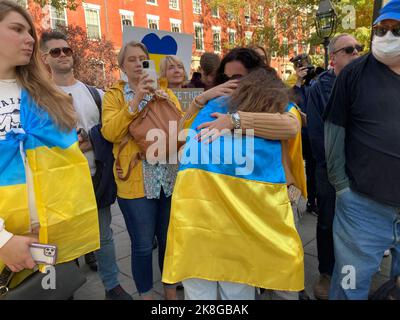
{"points": [[317, 99]]}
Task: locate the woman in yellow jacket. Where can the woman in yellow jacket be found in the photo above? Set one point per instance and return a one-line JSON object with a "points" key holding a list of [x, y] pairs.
{"points": [[144, 195]]}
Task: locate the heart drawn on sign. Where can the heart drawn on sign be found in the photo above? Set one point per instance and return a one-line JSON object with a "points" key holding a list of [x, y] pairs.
{"points": [[167, 45]]}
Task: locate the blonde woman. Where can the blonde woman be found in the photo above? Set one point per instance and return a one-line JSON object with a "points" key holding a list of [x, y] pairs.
{"points": [[172, 69], [45, 185], [144, 195]]}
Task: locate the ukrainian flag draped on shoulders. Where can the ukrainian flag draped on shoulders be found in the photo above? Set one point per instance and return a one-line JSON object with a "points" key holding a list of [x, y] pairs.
{"points": [[63, 192], [295, 150], [231, 219]]}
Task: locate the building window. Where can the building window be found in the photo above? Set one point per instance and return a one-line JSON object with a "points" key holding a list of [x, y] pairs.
{"points": [[174, 4], [126, 18], [58, 18], [197, 6], [216, 39], [152, 21], [260, 15], [247, 15], [92, 16], [248, 37], [153, 2], [215, 12], [231, 37], [199, 36], [285, 47], [175, 25], [296, 47], [230, 14]]}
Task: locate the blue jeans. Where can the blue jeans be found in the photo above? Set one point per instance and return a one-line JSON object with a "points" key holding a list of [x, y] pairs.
{"points": [[145, 219], [107, 264], [362, 230]]}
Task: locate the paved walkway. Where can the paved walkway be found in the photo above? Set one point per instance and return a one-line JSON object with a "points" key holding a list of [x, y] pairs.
{"points": [[94, 290]]}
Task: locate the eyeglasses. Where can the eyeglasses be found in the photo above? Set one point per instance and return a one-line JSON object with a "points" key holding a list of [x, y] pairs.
{"points": [[350, 49], [56, 52], [380, 31]]}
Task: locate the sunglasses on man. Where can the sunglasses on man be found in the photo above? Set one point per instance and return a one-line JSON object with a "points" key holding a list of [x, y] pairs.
{"points": [[350, 49], [56, 52], [381, 31]]}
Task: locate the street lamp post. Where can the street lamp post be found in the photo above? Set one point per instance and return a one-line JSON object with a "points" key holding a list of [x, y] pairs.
{"points": [[326, 22]]}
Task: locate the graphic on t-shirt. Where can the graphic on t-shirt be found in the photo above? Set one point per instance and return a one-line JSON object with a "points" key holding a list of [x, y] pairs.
{"points": [[9, 115]]}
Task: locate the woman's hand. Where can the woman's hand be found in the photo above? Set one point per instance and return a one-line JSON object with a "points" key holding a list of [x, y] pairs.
{"points": [[144, 87], [16, 254], [213, 129], [224, 89]]}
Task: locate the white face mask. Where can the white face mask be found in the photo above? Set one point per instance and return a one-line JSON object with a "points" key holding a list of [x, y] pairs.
{"points": [[387, 49]]}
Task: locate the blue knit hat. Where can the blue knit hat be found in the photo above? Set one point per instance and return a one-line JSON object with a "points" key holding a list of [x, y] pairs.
{"points": [[390, 11]]}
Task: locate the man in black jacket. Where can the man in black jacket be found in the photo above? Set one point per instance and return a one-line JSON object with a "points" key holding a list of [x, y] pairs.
{"points": [[343, 49], [362, 131]]}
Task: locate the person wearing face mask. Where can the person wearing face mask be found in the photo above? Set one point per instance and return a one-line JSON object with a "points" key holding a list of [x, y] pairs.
{"points": [[362, 149], [343, 49]]}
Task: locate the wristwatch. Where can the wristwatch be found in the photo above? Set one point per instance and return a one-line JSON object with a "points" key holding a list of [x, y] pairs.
{"points": [[235, 118]]}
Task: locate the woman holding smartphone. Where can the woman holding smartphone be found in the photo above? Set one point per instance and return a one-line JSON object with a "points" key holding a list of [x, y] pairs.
{"points": [[45, 185], [144, 195]]}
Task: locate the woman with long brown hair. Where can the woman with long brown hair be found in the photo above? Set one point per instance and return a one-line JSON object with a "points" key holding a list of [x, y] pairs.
{"points": [[232, 226], [45, 185]]}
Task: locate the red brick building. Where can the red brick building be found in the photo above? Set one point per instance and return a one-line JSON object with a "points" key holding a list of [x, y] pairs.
{"points": [[213, 29]]}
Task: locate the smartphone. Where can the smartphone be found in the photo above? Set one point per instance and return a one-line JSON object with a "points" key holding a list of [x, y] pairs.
{"points": [[44, 253], [150, 69]]}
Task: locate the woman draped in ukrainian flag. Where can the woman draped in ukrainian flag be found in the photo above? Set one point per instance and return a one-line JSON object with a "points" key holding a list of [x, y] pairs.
{"points": [[45, 185], [232, 225]]}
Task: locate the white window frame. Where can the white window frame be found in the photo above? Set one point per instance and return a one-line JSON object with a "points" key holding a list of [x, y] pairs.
{"points": [[247, 14], [126, 13], [155, 18], [285, 41], [197, 9], [248, 36], [231, 31], [196, 24], [152, 3], [212, 13], [51, 16], [260, 15], [175, 22], [230, 14], [95, 7], [217, 30], [177, 5]]}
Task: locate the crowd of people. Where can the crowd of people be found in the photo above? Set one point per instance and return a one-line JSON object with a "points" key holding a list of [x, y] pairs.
{"points": [[225, 218]]}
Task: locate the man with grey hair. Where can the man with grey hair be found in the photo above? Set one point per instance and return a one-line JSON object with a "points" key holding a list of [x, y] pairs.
{"points": [[342, 49]]}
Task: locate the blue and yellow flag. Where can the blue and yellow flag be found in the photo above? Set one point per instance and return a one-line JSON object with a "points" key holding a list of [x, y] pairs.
{"points": [[63, 192], [231, 219]]}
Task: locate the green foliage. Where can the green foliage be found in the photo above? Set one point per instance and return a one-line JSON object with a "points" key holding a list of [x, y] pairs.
{"points": [[285, 14], [59, 4]]}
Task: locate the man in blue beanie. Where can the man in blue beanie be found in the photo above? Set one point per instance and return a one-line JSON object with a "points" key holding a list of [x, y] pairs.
{"points": [[362, 145]]}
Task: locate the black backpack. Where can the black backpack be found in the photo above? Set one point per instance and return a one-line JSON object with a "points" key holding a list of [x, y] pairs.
{"points": [[104, 184]]}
